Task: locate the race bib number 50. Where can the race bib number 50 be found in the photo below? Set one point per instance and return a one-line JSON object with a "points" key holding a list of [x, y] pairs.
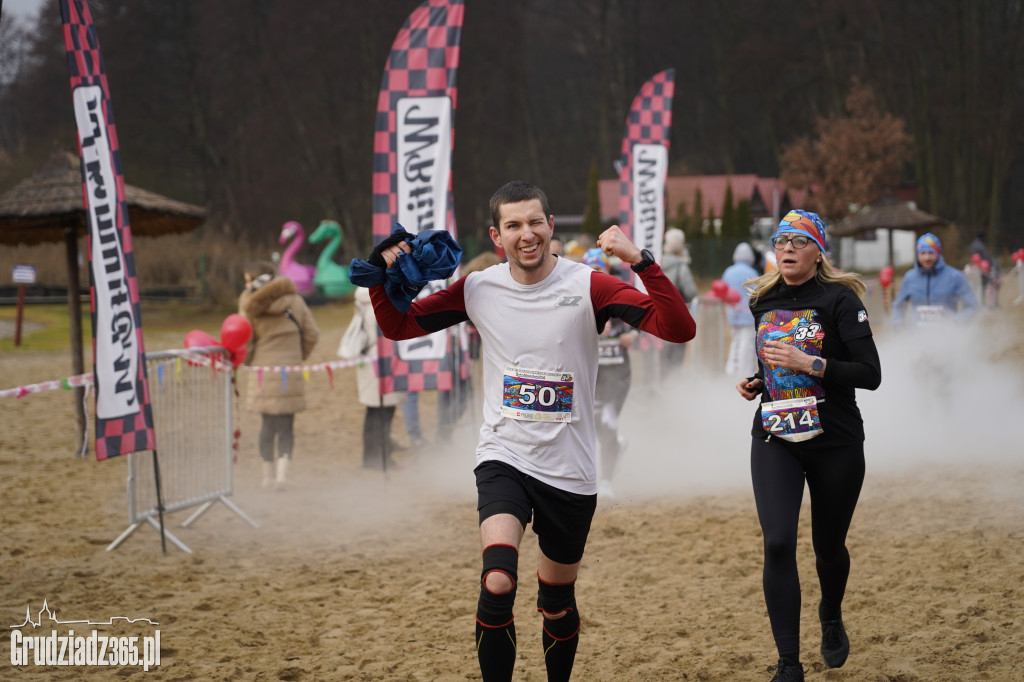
{"points": [[537, 395], [794, 420]]}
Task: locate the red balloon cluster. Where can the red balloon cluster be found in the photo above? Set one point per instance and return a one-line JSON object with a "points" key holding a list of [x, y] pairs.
{"points": [[982, 264], [235, 332], [198, 339], [723, 292], [885, 276], [1018, 255]]}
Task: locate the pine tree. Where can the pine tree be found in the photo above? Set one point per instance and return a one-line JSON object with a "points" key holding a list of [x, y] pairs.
{"points": [[744, 219], [728, 214], [697, 217], [682, 219]]}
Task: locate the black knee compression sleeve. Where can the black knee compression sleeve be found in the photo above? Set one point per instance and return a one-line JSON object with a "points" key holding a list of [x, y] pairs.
{"points": [[560, 636], [495, 629]]}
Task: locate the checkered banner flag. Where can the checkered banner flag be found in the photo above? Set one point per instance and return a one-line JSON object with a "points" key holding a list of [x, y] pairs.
{"points": [[124, 415], [412, 183], [645, 165]]}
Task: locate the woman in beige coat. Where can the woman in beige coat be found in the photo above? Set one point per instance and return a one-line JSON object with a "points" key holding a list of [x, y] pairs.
{"points": [[360, 341], [283, 335]]}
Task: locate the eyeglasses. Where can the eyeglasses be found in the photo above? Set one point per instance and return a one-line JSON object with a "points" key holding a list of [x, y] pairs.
{"points": [[798, 241]]}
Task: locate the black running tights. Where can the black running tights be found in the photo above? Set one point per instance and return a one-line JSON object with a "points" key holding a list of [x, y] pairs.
{"points": [[834, 477]]}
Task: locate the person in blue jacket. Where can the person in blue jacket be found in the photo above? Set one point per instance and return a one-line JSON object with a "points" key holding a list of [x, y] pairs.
{"points": [[742, 360], [932, 288]]}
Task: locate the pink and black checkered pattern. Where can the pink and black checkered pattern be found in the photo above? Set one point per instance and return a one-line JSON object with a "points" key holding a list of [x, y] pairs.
{"points": [[424, 62], [423, 375], [133, 432], [649, 122]]}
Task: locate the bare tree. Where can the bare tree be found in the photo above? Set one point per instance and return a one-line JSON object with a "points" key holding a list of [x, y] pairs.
{"points": [[853, 158]]}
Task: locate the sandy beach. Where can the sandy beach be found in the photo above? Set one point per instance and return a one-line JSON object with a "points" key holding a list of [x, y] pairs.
{"points": [[353, 575]]}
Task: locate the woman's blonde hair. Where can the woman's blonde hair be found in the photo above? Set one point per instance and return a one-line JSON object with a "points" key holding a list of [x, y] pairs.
{"points": [[824, 274]]}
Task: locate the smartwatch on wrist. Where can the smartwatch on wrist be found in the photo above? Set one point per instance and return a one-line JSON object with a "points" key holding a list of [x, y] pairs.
{"points": [[646, 260], [817, 364]]}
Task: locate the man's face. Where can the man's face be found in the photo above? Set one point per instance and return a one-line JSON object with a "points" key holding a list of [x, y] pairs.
{"points": [[927, 258], [524, 234]]}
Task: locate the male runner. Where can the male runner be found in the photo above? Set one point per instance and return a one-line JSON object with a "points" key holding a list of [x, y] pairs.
{"points": [[539, 317]]}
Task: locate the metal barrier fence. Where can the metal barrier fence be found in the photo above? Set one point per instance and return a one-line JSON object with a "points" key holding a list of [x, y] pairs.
{"points": [[191, 396]]}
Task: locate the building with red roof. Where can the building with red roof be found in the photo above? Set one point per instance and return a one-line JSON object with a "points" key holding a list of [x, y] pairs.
{"points": [[768, 197]]}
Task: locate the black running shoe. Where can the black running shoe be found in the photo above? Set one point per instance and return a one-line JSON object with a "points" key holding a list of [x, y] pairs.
{"points": [[835, 645], [788, 672]]}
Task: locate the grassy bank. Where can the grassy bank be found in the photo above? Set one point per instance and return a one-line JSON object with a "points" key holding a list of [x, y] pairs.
{"points": [[46, 327]]}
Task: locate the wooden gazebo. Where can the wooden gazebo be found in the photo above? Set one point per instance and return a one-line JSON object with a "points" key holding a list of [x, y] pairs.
{"points": [[49, 207], [888, 213]]}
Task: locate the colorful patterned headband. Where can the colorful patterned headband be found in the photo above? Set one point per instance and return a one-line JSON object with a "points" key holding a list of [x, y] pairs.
{"points": [[596, 258], [929, 242], [805, 223]]}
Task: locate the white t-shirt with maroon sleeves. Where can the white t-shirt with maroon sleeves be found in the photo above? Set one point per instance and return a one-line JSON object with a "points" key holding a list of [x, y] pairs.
{"points": [[540, 355]]}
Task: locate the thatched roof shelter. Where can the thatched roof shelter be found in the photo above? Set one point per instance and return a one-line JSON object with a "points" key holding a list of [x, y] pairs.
{"points": [[888, 213], [50, 207], [40, 207]]}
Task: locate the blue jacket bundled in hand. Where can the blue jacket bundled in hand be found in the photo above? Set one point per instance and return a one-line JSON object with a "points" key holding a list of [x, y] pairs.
{"points": [[435, 255]]}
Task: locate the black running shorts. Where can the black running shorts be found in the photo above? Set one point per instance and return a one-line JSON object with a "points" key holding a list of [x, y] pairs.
{"points": [[561, 519]]}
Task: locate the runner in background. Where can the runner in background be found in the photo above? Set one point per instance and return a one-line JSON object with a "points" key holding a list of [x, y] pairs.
{"points": [[932, 290], [742, 360], [613, 380], [557, 248], [990, 279], [675, 261]]}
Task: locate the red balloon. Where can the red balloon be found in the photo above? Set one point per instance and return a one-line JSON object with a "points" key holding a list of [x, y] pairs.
{"points": [[238, 356], [1018, 255], [235, 332], [197, 339], [976, 259], [985, 265], [885, 276], [719, 288], [732, 297]]}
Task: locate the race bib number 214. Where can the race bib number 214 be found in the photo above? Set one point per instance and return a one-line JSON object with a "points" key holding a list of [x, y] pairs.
{"points": [[794, 420]]}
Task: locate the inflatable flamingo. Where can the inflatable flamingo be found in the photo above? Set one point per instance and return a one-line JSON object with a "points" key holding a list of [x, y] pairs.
{"points": [[302, 275], [331, 278]]}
